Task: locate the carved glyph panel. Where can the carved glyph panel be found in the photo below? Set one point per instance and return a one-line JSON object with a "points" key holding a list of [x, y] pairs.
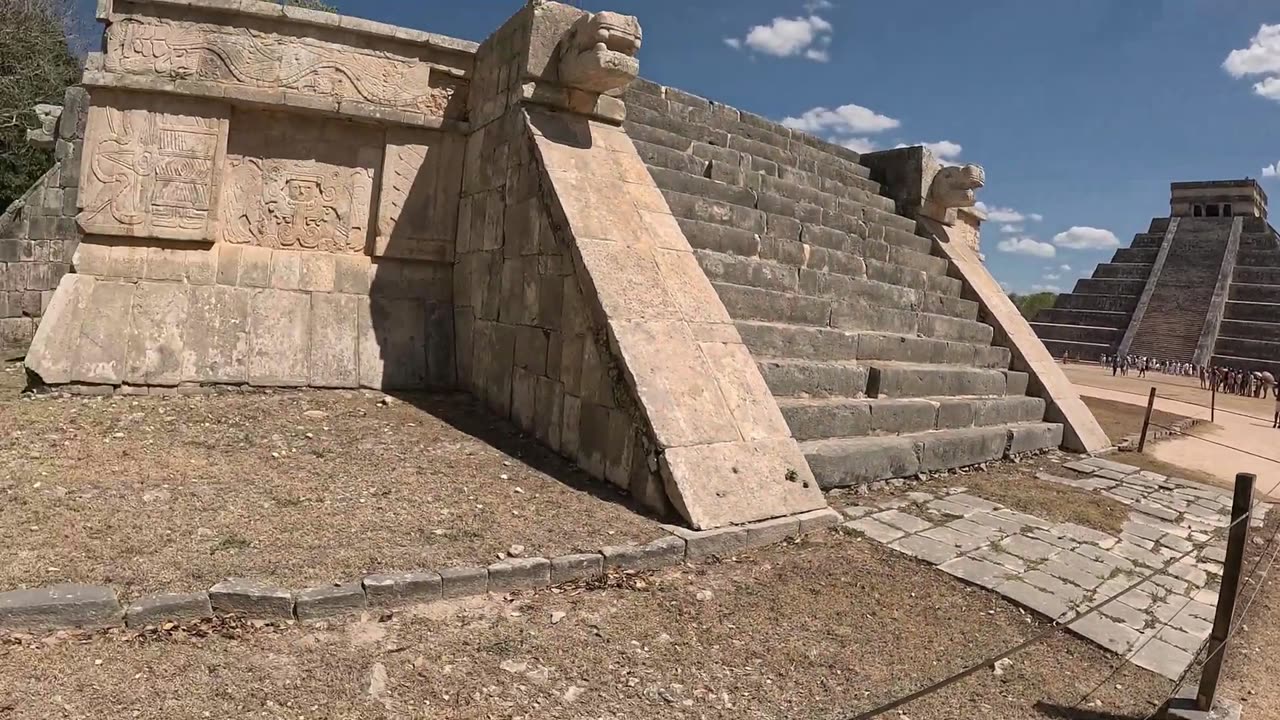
{"points": [[267, 60], [150, 166], [421, 184], [299, 183]]}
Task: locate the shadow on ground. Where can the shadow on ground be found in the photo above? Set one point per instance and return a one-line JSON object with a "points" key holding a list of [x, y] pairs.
{"points": [[466, 414]]}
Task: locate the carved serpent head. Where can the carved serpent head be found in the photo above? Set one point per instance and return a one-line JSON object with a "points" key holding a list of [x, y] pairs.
{"points": [[955, 187], [598, 54]]}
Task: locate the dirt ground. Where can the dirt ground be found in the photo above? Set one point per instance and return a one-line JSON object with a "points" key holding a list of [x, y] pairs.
{"points": [[822, 629], [1119, 419], [1249, 675], [300, 488]]}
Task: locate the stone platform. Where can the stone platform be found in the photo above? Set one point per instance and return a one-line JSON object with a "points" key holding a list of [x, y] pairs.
{"points": [[1061, 569]]}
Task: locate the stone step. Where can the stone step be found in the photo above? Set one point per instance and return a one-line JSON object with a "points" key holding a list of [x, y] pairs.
{"points": [[1265, 331], [745, 302], [726, 229], [1256, 275], [1122, 271], [1140, 256], [801, 342], [786, 217], [1086, 333], [1105, 303], [1250, 311], [1147, 241], [1242, 348], [907, 380], [824, 418], [1255, 292], [845, 462], [771, 275], [1090, 351], [1109, 286], [808, 378], [1095, 318]]}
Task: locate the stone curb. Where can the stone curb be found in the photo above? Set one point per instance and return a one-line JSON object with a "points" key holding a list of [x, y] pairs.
{"points": [[66, 606], [1130, 442]]}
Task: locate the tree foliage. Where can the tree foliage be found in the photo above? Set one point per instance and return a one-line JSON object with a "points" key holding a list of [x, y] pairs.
{"points": [[36, 66], [1031, 304], [312, 5]]}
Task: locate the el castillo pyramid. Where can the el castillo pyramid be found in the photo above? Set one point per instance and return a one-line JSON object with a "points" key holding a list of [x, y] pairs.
{"points": [[1199, 286], [708, 309]]}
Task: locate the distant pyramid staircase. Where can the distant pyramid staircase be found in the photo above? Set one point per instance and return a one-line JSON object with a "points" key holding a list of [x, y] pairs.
{"points": [[1172, 324], [879, 366]]}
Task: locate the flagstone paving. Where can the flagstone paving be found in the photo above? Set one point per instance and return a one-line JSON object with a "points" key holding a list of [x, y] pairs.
{"points": [[1059, 569]]}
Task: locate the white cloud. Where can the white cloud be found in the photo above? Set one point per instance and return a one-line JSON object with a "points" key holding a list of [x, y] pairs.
{"points": [[1052, 276], [1262, 57], [1086, 238], [1064, 268], [1010, 229], [1026, 246], [1271, 170], [859, 145], [789, 37], [945, 150], [1046, 288], [1006, 215], [845, 120], [813, 6]]}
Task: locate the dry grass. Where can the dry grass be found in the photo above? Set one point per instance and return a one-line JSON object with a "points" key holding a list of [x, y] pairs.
{"points": [[299, 488], [823, 629], [1119, 420]]}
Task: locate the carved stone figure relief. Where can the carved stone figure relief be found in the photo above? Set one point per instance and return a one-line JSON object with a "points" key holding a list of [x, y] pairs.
{"points": [[150, 166], [298, 183], [261, 59], [421, 183]]}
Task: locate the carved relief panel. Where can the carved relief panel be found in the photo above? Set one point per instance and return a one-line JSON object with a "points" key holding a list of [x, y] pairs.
{"points": [[421, 184], [259, 58], [299, 183], [150, 166]]}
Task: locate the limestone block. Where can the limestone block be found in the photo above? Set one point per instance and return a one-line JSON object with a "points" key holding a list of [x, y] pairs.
{"points": [[104, 333], [59, 606], [151, 166], [279, 338], [52, 354], [286, 270], [519, 574], [215, 345], [170, 607], [750, 403], [464, 581], [155, 337], [713, 485], [165, 264], [128, 261], [329, 600], [202, 266], [254, 267], [318, 272], [393, 352], [253, 599], [566, 568], [399, 588], [335, 329]]}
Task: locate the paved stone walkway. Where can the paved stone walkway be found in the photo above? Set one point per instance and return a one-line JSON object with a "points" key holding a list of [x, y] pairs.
{"points": [[1058, 569]]}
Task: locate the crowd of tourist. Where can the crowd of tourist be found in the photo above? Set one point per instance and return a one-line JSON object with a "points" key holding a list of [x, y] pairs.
{"points": [[1247, 383]]}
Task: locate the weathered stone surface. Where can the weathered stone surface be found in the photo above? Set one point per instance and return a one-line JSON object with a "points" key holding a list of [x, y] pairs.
{"points": [[927, 549], [169, 607], [464, 581], [327, 601], [400, 588], [660, 553], [60, 606], [726, 541], [252, 599], [874, 529], [519, 574], [566, 568], [978, 572]]}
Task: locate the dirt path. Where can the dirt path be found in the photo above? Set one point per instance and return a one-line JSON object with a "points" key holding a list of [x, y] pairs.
{"points": [[1240, 423], [820, 629]]}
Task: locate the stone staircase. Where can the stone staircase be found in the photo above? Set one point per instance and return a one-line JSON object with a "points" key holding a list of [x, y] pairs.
{"points": [[879, 366], [1250, 333], [1175, 318], [1091, 320]]}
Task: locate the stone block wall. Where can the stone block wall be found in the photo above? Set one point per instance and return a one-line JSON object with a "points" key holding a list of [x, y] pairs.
{"points": [[269, 197], [38, 233]]}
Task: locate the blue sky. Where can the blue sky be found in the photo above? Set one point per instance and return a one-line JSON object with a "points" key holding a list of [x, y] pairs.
{"points": [[1081, 111]]}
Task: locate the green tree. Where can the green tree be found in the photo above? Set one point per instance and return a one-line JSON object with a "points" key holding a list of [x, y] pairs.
{"points": [[1031, 304], [312, 5], [36, 66]]}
